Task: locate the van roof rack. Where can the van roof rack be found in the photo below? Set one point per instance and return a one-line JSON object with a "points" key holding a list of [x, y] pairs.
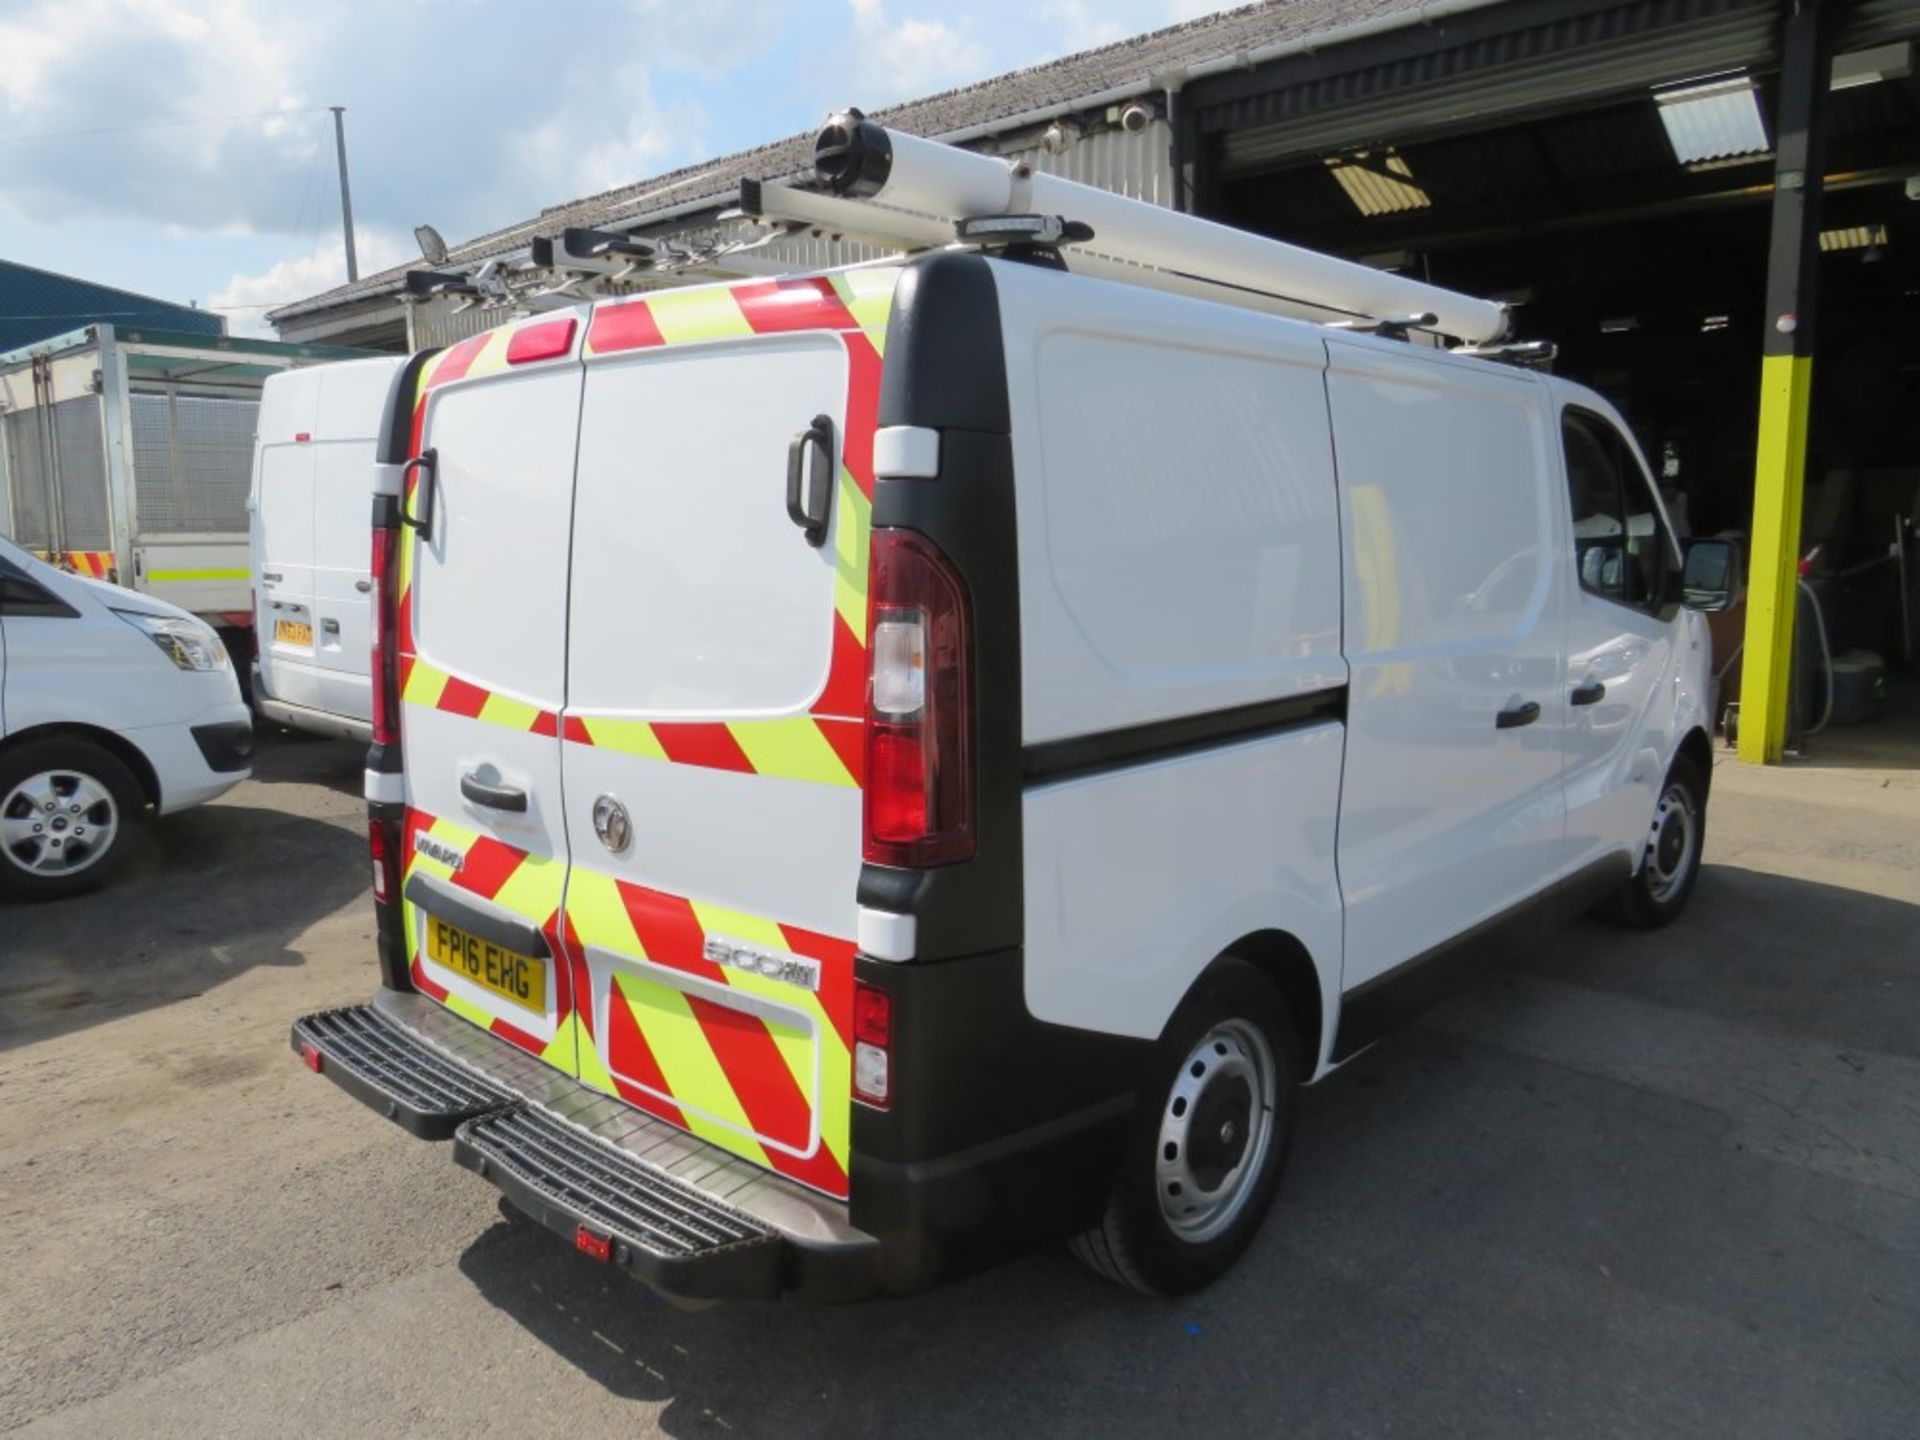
{"points": [[888, 187]]}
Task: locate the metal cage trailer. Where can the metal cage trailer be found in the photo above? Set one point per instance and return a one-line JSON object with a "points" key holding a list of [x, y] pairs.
{"points": [[125, 455]]}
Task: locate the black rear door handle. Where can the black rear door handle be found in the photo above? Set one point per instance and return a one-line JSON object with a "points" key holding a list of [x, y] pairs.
{"points": [[494, 797], [1591, 693], [1514, 716], [810, 511]]}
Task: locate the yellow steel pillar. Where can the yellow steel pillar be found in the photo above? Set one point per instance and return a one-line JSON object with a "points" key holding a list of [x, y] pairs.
{"points": [[1786, 384]]}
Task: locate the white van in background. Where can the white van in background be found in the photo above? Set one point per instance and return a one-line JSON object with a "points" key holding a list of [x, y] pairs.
{"points": [[312, 468]]}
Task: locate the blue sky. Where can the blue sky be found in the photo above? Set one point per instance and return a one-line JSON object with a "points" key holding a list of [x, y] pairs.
{"points": [[122, 160]]}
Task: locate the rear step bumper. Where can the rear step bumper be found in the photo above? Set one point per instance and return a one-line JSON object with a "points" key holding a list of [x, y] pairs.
{"points": [[670, 1209]]}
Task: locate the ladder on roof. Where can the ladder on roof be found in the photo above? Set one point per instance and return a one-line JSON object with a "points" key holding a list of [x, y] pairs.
{"points": [[899, 192], [895, 189]]}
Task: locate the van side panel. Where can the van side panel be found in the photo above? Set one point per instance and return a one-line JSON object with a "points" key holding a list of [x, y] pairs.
{"points": [[1452, 616], [1179, 563]]}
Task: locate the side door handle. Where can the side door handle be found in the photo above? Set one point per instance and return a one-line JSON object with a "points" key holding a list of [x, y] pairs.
{"points": [[1514, 716], [365, 587], [494, 797], [1591, 693]]}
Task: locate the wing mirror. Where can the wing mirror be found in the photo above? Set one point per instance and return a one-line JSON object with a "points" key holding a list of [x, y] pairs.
{"points": [[1711, 575]]}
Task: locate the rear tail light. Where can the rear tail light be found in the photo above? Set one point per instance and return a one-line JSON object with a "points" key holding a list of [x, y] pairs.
{"points": [[919, 787], [872, 1046], [589, 1243], [386, 641], [386, 860], [311, 1057]]}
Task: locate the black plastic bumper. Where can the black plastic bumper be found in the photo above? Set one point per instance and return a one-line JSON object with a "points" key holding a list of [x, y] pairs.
{"points": [[658, 1229], [225, 747], [695, 1221], [663, 1206]]}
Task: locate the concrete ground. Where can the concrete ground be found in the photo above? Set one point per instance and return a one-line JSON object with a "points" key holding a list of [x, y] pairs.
{"points": [[1639, 1185]]}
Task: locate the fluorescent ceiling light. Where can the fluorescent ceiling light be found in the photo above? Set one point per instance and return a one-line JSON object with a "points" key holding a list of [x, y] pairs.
{"points": [[1619, 324], [1713, 120], [1714, 322], [1869, 67], [1853, 237], [1379, 187]]}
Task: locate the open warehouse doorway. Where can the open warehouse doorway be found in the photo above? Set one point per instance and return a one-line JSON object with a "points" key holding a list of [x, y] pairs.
{"points": [[1611, 170]]}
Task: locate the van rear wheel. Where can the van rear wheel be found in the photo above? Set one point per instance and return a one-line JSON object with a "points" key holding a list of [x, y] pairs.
{"points": [[1204, 1155], [66, 807], [1670, 865]]}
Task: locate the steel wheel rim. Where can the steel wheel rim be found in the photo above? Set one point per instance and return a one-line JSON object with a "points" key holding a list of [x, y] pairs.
{"points": [[1206, 1166], [57, 823], [1672, 844]]}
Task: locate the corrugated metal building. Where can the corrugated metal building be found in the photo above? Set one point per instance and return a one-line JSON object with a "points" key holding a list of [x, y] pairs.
{"points": [[38, 304]]}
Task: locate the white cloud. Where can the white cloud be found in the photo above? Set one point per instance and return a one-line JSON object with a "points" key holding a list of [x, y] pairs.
{"points": [[247, 298], [902, 59], [1179, 10], [1081, 28], [589, 147]]}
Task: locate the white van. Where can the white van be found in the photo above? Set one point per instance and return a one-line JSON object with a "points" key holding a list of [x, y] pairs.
{"points": [[312, 455], [874, 768], [112, 704]]}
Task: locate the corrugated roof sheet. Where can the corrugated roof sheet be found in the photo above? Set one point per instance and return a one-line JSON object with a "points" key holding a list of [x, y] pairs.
{"points": [[1001, 98], [36, 304]]}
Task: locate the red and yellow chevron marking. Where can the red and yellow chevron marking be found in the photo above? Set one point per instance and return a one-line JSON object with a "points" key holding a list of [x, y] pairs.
{"points": [[528, 885], [96, 564], [751, 1082], [823, 746]]}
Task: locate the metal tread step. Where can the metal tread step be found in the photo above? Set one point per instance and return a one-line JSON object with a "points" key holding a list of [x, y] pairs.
{"points": [[618, 1208], [389, 1068]]}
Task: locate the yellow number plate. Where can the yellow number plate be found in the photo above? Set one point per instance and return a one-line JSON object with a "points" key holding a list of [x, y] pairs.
{"points": [[292, 632], [508, 974]]}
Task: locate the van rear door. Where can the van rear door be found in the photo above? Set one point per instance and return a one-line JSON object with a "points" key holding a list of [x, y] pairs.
{"points": [[716, 683], [482, 646], [348, 417], [282, 525]]}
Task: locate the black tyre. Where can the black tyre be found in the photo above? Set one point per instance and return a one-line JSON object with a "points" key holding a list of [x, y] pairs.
{"points": [[66, 810], [1676, 840], [1204, 1156]]}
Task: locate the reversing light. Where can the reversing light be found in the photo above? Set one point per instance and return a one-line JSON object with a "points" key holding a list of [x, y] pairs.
{"points": [[385, 878], [872, 1046]]}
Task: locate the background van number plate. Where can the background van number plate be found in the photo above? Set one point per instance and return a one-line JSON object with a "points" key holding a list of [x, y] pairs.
{"points": [[293, 632], [507, 973]]}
